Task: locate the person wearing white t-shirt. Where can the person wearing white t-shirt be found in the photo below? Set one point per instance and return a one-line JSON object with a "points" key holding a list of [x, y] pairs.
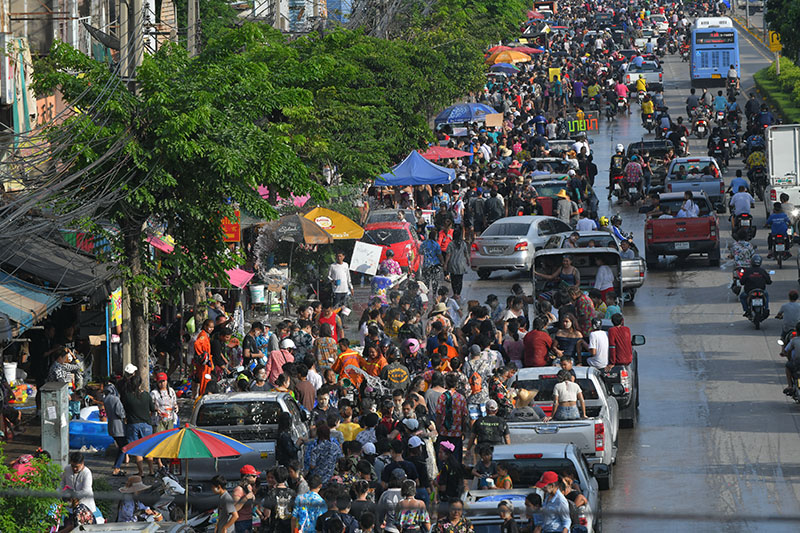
{"points": [[604, 278], [598, 345], [566, 396], [742, 202], [339, 276]]}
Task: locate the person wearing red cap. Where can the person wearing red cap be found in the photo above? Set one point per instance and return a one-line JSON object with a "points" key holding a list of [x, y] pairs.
{"points": [[166, 404], [555, 507], [243, 496]]}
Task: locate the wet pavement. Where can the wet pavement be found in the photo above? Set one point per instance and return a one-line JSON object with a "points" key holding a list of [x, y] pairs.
{"points": [[716, 436]]}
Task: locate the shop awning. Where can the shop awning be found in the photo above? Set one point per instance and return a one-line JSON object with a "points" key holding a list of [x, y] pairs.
{"points": [[62, 269], [24, 304]]}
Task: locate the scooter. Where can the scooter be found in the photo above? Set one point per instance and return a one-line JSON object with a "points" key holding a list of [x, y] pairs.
{"points": [[685, 54], [632, 192], [756, 307], [744, 221], [649, 122], [719, 117], [736, 282], [718, 153], [794, 390], [622, 104], [759, 181], [700, 127], [780, 247], [610, 111], [169, 489]]}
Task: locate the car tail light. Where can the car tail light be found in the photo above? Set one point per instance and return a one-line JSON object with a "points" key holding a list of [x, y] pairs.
{"points": [[713, 229], [669, 187], [648, 232], [773, 196], [721, 187], [599, 437], [474, 247], [625, 380], [521, 247], [659, 76], [527, 456]]}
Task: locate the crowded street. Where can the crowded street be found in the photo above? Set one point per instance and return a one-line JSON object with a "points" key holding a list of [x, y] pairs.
{"points": [[343, 275]]}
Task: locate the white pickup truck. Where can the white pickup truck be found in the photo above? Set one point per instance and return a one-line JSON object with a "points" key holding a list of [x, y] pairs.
{"points": [[595, 436], [526, 463], [783, 164]]}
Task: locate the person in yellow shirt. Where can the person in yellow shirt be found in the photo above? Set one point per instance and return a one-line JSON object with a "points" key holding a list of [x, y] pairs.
{"points": [[756, 159], [641, 85], [348, 428], [647, 107]]}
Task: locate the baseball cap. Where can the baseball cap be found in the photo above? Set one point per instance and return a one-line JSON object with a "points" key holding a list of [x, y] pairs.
{"points": [[491, 405], [474, 349], [161, 376], [249, 470], [414, 442], [130, 369], [546, 479], [218, 297], [369, 449], [399, 473], [411, 423]]}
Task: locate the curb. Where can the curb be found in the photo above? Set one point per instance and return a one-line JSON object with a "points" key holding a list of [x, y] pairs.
{"points": [[757, 39]]}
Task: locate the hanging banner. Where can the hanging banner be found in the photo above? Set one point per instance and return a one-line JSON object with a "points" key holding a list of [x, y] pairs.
{"points": [[232, 227], [115, 308]]}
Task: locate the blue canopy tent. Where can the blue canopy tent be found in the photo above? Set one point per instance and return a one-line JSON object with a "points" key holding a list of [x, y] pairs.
{"points": [[24, 304], [416, 170], [460, 113], [506, 68]]}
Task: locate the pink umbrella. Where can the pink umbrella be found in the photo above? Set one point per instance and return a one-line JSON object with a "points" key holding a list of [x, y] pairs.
{"points": [[528, 50], [498, 48], [443, 152], [533, 14]]}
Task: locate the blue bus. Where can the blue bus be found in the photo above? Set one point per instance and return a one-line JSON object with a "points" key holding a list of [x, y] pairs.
{"points": [[714, 48]]}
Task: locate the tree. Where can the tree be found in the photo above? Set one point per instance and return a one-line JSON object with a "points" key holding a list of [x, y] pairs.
{"points": [[197, 137], [783, 16]]}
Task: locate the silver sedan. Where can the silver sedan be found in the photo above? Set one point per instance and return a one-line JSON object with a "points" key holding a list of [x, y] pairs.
{"points": [[509, 243]]}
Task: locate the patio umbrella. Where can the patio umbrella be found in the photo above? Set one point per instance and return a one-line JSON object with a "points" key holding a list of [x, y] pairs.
{"points": [[498, 48], [533, 14], [470, 112], [443, 152], [186, 443], [508, 68], [508, 56], [338, 225], [294, 228], [528, 50]]}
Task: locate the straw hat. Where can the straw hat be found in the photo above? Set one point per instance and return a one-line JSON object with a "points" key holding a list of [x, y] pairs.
{"points": [[134, 484], [525, 397], [563, 194], [440, 308]]}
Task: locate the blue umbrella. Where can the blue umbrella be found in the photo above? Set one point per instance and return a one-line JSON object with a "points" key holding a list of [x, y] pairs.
{"points": [[464, 113], [508, 68]]}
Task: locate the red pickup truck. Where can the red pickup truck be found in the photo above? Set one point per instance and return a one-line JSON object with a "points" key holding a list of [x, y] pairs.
{"points": [[682, 236]]}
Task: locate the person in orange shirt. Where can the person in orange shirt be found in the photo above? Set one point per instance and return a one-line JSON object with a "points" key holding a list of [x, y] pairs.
{"points": [[346, 358], [203, 363], [375, 361]]}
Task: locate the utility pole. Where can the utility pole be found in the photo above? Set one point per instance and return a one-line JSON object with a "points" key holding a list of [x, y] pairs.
{"points": [[131, 39], [192, 41]]}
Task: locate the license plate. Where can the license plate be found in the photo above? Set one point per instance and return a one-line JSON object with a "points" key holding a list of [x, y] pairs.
{"points": [[701, 129], [716, 76], [633, 190], [780, 248], [681, 245], [495, 249], [745, 222], [757, 301]]}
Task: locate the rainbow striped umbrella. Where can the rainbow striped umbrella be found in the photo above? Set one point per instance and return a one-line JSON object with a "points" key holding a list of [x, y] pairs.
{"points": [[186, 443]]}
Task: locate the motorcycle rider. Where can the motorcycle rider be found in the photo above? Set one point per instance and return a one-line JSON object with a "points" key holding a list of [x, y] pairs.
{"points": [[733, 77], [755, 160], [692, 102], [754, 277], [720, 103], [738, 182], [732, 111], [641, 85], [616, 168], [679, 133], [787, 206], [790, 313], [765, 118], [778, 223], [741, 202], [715, 143], [622, 92], [633, 176], [792, 352], [648, 108], [751, 107], [741, 250]]}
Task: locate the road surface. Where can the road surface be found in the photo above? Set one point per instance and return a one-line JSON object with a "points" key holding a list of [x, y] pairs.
{"points": [[716, 436]]}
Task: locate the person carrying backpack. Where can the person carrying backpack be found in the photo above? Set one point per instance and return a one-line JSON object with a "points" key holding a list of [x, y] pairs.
{"points": [[494, 207], [452, 416]]}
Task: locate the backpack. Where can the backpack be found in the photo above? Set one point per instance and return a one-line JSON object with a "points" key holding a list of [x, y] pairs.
{"points": [[397, 377], [475, 383], [494, 210]]}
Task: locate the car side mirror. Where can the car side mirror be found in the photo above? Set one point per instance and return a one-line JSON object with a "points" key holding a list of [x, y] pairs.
{"points": [[617, 389], [638, 340]]}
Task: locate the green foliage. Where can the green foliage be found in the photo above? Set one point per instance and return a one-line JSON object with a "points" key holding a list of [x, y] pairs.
{"points": [[107, 507], [28, 514], [787, 103], [783, 16]]}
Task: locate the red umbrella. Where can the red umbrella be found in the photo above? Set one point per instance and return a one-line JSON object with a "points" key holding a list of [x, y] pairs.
{"points": [[498, 48], [533, 14], [528, 50], [443, 152]]}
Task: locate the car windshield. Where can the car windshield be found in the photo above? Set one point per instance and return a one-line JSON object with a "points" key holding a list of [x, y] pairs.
{"points": [[525, 473], [658, 18], [238, 413], [693, 170], [544, 385], [506, 229], [386, 236], [675, 206], [594, 241], [390, 216], [646, 67], [556, 167], [549, 190]]}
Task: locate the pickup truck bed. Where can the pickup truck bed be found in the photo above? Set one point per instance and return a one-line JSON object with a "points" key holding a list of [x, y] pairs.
{"points": [[683, 236]]}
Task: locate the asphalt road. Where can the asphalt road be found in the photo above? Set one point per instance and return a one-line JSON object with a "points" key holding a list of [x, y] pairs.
{"points": [[716, 436]]}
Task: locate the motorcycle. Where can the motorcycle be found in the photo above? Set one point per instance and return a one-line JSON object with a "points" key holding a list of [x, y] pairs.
{"points": [[168, 489], [594, 103], [685, 54], [640, 96], [745, 221], [719, 117], [759, 181], [610, 111], [756, 307], [736, 282], [616, 186], [622, 104], [683, 147], [733, 92], [649, 122], [672, 48], [718, 153], [794, 390], [700, 127], [662, 132], [632, 192], [780, 247]]}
